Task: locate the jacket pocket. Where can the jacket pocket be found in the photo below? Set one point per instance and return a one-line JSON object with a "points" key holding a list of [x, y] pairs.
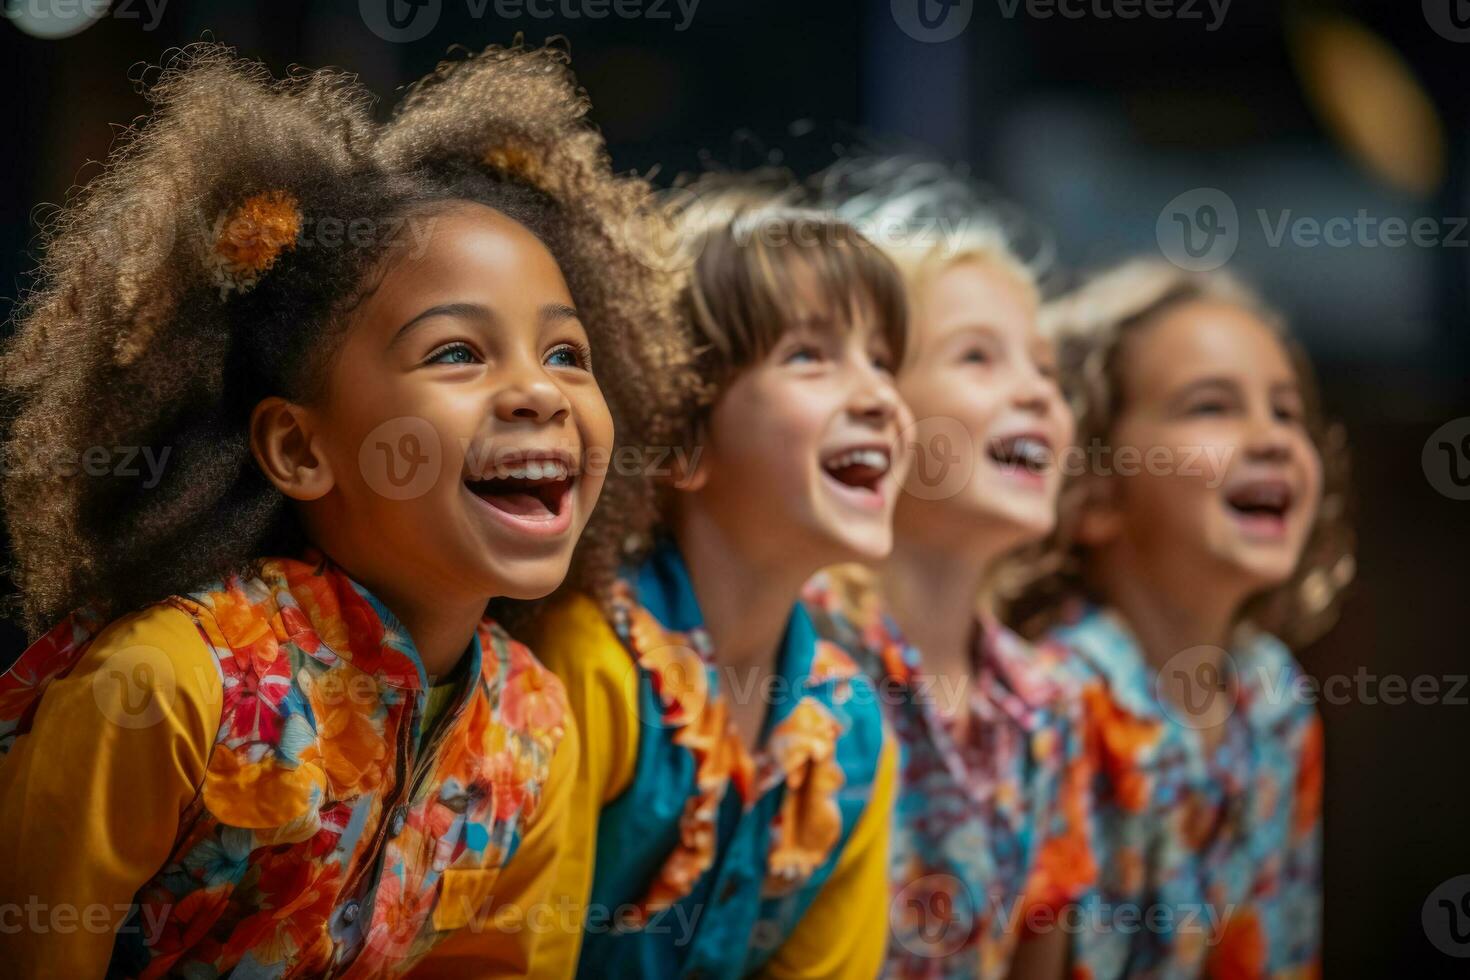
{"points": [[464, 896]]}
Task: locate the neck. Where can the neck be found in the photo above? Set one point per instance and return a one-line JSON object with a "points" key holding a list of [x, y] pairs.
{"points": [[439, 619], [933, 593], [745, 599], [1168, 610]]}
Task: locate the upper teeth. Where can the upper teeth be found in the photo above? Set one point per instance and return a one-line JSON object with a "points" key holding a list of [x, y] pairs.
{"points": [[1266, 495], [546, 469], [874, 458], [1031, 451]]}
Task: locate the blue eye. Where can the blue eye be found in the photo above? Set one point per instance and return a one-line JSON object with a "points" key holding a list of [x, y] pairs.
{"points": [[455, 353], [570, 355], [806, 354]]}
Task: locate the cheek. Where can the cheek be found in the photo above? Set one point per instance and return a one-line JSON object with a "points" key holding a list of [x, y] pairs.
{"points": [[954, 395], [1311, 467], [592, 416], [1167, 472], [776, 427]]}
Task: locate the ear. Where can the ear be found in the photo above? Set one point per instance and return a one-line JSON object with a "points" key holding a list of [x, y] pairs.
{"points": [[281, 441], [690, 469], [1099, 520]]}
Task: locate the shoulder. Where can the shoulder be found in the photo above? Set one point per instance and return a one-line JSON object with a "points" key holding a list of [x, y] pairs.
{"points": [[159, 650], [573, 636], [578, 644], [149, 671]]}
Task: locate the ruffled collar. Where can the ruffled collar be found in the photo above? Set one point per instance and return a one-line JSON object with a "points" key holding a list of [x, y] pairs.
{"points": [[657, 615], [312, 603]]}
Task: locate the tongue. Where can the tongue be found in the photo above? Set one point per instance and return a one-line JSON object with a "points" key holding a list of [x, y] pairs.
{"points": [[857, 475], [519, 504]]}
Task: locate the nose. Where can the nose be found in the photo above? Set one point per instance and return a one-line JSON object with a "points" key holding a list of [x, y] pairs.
{"points": [[1034, 392], [530, 396], [1267, 440], [874, 399]]}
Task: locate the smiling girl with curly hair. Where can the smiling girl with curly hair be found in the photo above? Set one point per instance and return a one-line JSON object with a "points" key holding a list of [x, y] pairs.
{"points": [[369, 369], [1206, 531]]}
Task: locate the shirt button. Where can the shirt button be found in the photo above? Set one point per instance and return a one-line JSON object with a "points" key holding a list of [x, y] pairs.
{"points": [[349, 913], [731, 889], [395, 823]]}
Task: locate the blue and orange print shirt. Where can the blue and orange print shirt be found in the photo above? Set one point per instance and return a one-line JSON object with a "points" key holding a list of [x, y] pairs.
{"points": [[990, 836], [700, 858], [232, 782], [1210, 856]]}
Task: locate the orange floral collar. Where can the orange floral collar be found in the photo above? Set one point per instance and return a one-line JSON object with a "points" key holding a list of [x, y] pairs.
{"points": [[800, 751]]}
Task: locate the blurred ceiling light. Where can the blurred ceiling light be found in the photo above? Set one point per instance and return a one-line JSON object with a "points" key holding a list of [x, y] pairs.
{"points": [[52, 20], [1369, 98]]}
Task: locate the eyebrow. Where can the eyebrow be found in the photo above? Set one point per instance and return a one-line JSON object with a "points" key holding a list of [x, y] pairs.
{"points": [[549, 313], [1279, 388]]}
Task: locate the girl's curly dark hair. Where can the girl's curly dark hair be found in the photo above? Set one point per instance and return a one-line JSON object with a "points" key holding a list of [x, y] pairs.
{"points": [[127, 340]]}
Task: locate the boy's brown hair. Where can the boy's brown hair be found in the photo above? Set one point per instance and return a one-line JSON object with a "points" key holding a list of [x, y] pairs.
{"points": [[1091, 327], [761, 265]]}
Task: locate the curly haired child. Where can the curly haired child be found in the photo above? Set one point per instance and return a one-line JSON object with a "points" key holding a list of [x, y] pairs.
{"points": [[989, 837], [736, 783], [1207, 519], [276, 732]]}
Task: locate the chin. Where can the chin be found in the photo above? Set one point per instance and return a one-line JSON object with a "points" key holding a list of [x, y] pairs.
{"points": [[525, 580]]}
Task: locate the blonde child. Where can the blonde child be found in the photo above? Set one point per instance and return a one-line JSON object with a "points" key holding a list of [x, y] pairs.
{"points": [[988, 836]]}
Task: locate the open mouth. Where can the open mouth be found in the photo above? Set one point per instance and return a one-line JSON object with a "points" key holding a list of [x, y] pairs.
{"points": [[530, 490], [1262, 505], [859, 473], [1024, 454]]}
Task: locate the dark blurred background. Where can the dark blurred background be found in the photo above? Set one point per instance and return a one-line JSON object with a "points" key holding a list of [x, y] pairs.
{"points": [[1100, 123]]}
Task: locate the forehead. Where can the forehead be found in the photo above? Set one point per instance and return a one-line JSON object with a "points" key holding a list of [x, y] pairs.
{"points": [[977, 294], [466, 244], [1204, 338]]}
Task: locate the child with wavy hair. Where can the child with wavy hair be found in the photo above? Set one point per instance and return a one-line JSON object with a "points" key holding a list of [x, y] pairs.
{"points": [[1204, 530], [989, 838], [275, 732], [735, 782]]}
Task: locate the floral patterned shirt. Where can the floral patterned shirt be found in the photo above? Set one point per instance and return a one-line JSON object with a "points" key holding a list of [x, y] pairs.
{"points": [[703, 859], [989, 827], [232, 780], [1210, 858]]}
